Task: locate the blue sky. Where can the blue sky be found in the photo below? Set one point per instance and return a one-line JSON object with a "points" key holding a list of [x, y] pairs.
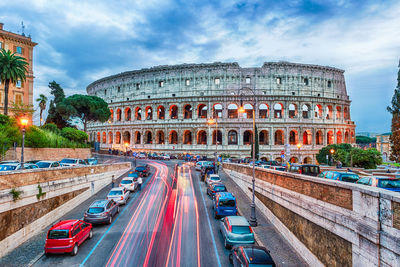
{"points": [[81, 41]]}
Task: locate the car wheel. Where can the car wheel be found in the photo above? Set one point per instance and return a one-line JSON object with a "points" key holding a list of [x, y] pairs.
{"points": [[109, 220], [90, 234], [74, 250]]}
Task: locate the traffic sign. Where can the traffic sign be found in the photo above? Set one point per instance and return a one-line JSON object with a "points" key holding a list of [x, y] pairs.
{"points": [[282, 152], [283, 156]]}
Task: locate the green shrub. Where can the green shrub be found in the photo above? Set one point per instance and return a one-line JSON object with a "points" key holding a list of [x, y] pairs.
{"points": [[74, 134], [51, 127]]}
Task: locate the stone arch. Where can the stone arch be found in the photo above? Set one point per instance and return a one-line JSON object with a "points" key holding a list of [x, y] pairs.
{"points": [[104, 138], [173, 112], [307, 160], [307, 136], [279, 138], [338, 112], [119, 114], [339, 137], [319, 138], [347, 137], [329, 137], [293, 137], [278, 110], [263, 137], [127, 138], [128, 114], [248, 111], [201, 137], [161, 113], [187, 137], [232, 111], [149, 113], [187, 111], [202, 111], [329, 112], [346, 113], [306, 111], [138, 137], [292, 110], [138, 113], [263, 111], [217, 134], [293, 160], [217, 110], [110, 138], [112, 115], [318, 111], [160, 138], [232, 137], [118, 138], [247, 137], [148, 137], [98, 137], [352, 140], [173, 137]]}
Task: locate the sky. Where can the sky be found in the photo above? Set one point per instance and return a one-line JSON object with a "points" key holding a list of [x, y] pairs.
{"points": [[82, 41]]}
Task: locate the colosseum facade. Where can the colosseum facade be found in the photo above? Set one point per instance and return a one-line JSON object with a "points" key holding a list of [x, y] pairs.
{"points": [[166, 109]]}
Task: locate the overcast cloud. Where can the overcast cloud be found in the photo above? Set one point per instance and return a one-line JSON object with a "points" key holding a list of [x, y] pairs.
{"points": [[81, 41]]}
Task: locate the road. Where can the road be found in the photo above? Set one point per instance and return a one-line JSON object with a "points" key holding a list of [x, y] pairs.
{"points": [[168, 223]]}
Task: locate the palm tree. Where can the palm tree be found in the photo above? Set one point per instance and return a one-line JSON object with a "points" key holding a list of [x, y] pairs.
{"points": [[12, 69], [42, 99]]}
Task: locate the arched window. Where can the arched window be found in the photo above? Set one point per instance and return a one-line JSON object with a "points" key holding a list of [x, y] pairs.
{"points": [[219, 137], [119, 114], [160, 137], [138, 137], [263, 138], [338, 113], [217, 111], [149, 113], [173, 112], [279, 140], [306, 111], [127, 138], [232, 111], [138, 113], [161, 112], [173, 137], [318, 138], [307, 137], [307, 160], [263, 111], [318, 111], [294, 160], [112, 115], [329, 137], [148, 137], [128, 114], [187, 137], [278, 111], [202, 137], [352, 138], [346, 113], [292, 111], [202, 111], [293, 137], [118, 138], [248, 111], [339, 137], [110, 138], [104, 141], [329, 113], [347, 137], [247, 137], [187, 112], [232, 137]]}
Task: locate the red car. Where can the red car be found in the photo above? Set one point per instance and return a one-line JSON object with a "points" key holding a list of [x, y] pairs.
{"points": [[67, 236]]}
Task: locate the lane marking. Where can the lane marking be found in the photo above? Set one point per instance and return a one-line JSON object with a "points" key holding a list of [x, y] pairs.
{"points": [[197, 219]]}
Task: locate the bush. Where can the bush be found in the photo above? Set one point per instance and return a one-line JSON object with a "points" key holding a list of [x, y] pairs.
{"points": [[74, 134], [9, 133], [51, 127]]}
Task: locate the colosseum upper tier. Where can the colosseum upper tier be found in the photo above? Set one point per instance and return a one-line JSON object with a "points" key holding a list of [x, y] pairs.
{"points": [[201, 108]]}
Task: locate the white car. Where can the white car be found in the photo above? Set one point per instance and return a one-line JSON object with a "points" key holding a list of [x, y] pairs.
{"points": [[16, 166], [213, 178], [166, 157], [141, 156], [129, 184], [119, 195], [72, 162]]}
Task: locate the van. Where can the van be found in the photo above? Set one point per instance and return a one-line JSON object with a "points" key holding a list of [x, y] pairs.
{"points": [[224, 204], [306, 169]]}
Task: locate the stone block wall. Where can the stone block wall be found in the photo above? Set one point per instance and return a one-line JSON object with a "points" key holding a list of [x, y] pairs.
{"points": [[48, 153], [330, 223]]}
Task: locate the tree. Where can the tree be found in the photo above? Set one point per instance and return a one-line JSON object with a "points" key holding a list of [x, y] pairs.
{"points": [[42, 100], [321, 156], [365, 139], [9, 133], [20, 110], [74, 134], [84, 107], [394, 109], [53, 115], [367, 159], [12, 69]]}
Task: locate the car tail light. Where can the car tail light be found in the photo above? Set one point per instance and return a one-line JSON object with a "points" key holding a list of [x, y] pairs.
{"points": [[213, 192], [230, 228], [120, 185], [300, 171], [122, 198], [251, 230]]}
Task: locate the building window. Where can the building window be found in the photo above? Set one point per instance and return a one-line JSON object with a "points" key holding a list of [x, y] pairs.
{"points": [[306, 81], [119, 89], [137, 86], [19, 50], [18, 99], [279, 80], [217, 81], [18, 84], [329, 84], [161, 84], [187, 82], [248, 80], [105, 92]]}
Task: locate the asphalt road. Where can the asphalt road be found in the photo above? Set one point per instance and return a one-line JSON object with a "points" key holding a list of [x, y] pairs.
{"points": [[168, 223]]}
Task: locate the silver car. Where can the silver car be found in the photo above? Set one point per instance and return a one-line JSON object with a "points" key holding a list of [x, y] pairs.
{"points": [[119, 195], [17, 166], [101, 211], [129, 183]]}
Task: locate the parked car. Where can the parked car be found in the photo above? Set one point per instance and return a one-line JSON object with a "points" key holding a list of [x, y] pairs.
{"points": [[306, 169], [129, 183], [119, 195], [144, 170], [214, 188], [392, 184], [250, 256], [72, 162], [201, 164], [9, 161], [101, 211], [48, 164], [350, 177], [277, 168], [17, 166], [32, 161], [141, 156], [166, 157], [92, 161], [212, 178], [236, 230], [67, 236], [224, 204]]}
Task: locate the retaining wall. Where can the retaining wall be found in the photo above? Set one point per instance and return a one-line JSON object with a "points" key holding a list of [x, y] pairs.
{"points": [[328, 222], [48, 153]]}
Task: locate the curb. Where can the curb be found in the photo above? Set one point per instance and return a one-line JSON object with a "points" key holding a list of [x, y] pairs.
{"points": [[36, 259]]}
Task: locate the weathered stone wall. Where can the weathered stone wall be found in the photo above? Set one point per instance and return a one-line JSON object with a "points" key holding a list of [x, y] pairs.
{"points": [[48, 153], [329, 222]]}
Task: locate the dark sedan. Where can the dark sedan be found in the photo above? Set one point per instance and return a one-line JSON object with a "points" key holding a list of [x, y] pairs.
{"points": [[250, 256], [214, 188], [144, 170]]}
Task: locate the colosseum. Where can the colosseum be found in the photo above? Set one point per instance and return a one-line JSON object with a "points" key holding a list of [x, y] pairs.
{"points": [[203, 108]]}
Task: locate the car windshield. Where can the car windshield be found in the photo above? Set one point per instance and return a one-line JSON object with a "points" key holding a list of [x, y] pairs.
{"points": [[94, 210], [140, 169], [219, 188], [241, 229], [389, 183], [214, 178], [133, 174], [257, 257], [7, 167], [58, 234], [43, 164], [227, 203], [126, 182], [352, 178], [68, 161], [115, 193], [91, 160]]}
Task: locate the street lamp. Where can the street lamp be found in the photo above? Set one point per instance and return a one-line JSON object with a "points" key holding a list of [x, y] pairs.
{"points": [[211, 122], [299, 146], [253, 219], [332, 152], [126, 148], [24, 123]]}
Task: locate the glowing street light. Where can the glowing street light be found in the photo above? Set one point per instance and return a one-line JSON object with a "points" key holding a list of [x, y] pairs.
{"points": [[24, 122], [241, 109], [298, 146]]}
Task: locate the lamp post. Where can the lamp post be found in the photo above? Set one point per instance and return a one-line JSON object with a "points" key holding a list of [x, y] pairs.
{"points": [[24, 123], [299, 146], [253, 219], [332, 152], [210, 122]]}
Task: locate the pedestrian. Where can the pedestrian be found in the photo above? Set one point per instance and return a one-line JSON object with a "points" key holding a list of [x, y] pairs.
{"points": [[140, 181], [112, 181]]}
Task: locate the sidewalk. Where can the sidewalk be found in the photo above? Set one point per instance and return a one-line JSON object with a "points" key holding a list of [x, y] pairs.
{"points": [[269, 237]]}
